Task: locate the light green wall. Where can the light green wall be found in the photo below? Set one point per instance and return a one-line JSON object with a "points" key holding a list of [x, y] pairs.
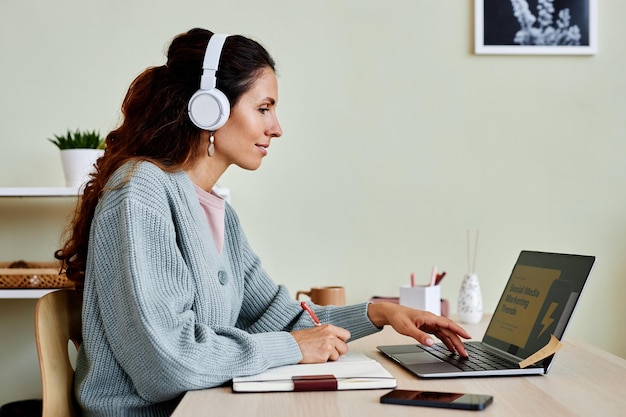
{"points": [[397, 139]]}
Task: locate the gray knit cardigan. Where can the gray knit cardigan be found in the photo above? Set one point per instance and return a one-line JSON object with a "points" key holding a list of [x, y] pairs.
{"points": [[165, 313]]}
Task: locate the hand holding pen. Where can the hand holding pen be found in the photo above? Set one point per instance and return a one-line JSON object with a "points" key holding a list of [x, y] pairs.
{"points": [[320, 343]]}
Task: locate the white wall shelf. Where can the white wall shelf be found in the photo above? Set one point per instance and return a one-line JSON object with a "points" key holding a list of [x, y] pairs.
{"points": [[39, 192], [34, 293], [22, 294]]}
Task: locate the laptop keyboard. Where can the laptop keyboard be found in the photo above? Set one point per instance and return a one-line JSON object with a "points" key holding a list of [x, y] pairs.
{"points": [[479, 359]]}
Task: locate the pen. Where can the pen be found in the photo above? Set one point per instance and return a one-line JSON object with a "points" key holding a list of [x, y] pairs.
{"points": [[306, 308], [412, 279], [440, 277], [433, 276]]}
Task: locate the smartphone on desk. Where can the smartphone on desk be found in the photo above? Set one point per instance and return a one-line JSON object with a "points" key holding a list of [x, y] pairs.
{"points": [[437, 399]]}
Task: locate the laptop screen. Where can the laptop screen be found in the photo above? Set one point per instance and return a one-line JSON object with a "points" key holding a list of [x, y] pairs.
{"points": [[538, 301]]}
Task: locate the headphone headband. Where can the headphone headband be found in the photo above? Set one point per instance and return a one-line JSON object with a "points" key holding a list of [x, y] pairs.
{"points": [[209, 108], [212, 61]]}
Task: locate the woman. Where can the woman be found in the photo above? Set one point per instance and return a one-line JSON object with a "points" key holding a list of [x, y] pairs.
{"points": [[174, 297]]}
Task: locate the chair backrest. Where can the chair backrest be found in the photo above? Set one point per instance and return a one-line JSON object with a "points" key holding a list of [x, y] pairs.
{"points": [[57, 321]]}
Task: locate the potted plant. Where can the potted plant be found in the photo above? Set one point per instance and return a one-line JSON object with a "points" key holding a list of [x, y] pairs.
{"points": [[79, 152]]}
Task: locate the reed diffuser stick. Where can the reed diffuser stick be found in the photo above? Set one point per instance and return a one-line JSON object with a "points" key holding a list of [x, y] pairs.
{"points": [[471, 267], [475, 251], [468, 252]]}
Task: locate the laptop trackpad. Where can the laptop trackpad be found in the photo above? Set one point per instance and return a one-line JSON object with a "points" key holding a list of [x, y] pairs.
{"points": [[416, 358]]}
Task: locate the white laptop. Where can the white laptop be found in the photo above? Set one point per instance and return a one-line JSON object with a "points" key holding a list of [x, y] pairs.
{"points": [[538, 301]]}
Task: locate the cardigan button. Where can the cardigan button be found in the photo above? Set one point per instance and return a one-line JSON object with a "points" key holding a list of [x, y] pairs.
{"points": [[222, 276]]}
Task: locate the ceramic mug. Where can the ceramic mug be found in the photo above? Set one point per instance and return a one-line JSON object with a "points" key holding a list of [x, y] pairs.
{"points": [[325, 295]]}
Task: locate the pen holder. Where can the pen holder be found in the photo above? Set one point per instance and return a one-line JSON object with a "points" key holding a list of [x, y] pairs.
{"points": [[422, 298]]}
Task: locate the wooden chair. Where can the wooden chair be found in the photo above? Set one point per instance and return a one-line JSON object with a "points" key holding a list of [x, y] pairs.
{"points": [[57, 321]]}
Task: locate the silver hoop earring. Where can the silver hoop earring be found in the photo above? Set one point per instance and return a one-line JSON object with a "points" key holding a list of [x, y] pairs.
{"points": [[211, 148]]}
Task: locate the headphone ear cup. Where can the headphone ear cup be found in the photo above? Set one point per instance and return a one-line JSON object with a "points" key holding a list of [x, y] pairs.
{"points": [[209, 109]]}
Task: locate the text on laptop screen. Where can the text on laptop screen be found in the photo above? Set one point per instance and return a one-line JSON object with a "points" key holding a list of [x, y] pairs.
{"points": [[529, 309], [525, 294]]}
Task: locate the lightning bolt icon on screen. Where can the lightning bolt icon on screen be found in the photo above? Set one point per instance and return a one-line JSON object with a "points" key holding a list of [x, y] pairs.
{"points": [[546, 321]]}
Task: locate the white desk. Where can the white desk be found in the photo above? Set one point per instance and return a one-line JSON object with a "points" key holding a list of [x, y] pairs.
{"points": [[584, 381]]}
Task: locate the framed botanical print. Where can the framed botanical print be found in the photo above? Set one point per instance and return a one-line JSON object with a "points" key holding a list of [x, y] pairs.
{"points": [[536, 27]]}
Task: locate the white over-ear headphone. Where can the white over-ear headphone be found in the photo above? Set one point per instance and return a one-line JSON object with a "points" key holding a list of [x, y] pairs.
{"points": [[209, 108]]}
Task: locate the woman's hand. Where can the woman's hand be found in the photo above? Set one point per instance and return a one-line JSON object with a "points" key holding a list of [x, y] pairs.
{"points": [[321, 343], [418, 324]]}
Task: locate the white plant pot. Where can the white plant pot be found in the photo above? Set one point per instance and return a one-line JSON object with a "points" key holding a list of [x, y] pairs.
{"points": [[78, 164]]}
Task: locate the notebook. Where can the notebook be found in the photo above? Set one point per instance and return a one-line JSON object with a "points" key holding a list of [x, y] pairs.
{"points": [[351, 371], [538, 301]]}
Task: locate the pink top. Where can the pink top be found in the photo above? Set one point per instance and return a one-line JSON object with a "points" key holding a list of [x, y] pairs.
{"points": [[214, 208]]}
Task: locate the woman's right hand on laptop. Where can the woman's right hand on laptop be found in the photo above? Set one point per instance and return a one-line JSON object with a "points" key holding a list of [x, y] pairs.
{"points": [[419, 325]]}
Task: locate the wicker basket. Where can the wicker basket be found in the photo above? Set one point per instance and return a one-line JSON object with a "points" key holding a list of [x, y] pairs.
{"points": [[22, 274]]}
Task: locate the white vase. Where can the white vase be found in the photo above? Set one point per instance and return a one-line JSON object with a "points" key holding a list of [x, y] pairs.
{"points": [[470, 303], [78, 164]]}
